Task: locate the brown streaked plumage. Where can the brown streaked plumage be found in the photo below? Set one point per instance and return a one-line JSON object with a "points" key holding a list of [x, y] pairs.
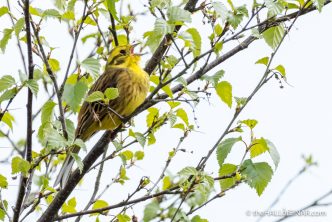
{"points": [[124, 73]]}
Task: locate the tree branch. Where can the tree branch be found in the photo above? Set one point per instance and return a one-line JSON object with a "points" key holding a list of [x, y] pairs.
{"points": [[28, 150]]}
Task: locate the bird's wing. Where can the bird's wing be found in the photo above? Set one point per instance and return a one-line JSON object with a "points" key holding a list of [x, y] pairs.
{"points": [[92, 113]]}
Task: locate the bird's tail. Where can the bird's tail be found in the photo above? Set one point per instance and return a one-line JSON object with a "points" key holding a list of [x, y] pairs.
{"points": [[65, 171]]}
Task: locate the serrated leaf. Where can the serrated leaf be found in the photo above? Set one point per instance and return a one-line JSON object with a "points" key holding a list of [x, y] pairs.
{"points": [[8, 119], [183, 115], [128, 155], [7, 34], [3, 10], [74, 93], [111, 8], [19, 26], [92, 66], [221, 10], [51, 13], [273, 36], [111, 93], [224, 91], [251, 123], [319, 4], [54, 139], [258, 147], [140, 138], [196, 41], [47, 111], [70, 206], [8, 94], [154, 37], [176, 14], [95, 96], [123, 218], [224, 148], [152, 116], [139, 155], [33, 86], [257, 175], [99, 204], [275, 156], [227, 169], [54, 64], [166, 182], [151, 211], [274, 6], [20, 165], [6, 82], [281, 70], [188, 171], [78, 161], [264, 61], [3, 182], [197, 218]]}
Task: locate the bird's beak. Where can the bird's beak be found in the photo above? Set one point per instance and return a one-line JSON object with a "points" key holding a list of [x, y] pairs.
{"points": [[132, 48]]}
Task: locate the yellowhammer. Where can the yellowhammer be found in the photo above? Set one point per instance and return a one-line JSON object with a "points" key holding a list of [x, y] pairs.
{"points": [[124, 73]]}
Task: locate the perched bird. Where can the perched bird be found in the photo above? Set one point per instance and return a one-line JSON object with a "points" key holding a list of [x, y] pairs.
{"points": [[124, 73]]}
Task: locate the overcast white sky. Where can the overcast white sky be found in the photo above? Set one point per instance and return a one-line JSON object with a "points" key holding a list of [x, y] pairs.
{"points": [[297, 119]]}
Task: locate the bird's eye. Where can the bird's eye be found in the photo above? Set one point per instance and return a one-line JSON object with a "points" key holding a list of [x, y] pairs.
{"points": [[123, 52]]}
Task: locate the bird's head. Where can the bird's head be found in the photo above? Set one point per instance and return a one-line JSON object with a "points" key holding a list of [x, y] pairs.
{"points": [[123, 56]]}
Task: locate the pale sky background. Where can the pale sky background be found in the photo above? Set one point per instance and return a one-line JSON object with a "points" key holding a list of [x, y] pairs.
{"points": [[297, 119]]}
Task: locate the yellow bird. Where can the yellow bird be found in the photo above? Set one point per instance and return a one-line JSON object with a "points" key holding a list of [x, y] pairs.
{"points": [[124, 73]]}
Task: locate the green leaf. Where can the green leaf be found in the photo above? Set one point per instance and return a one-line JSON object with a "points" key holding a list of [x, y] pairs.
{"points": [[176, 14], [215, 78], [99, 204], [319, 4], [139, 155], [258, 147], [224, 148], [221, 10], [224, 91], [167, 182], [74, 94], [196, 41], [70, 206], [188, 171], [264, 61], [152, 116], [7, 34], [54, 64], [92, 66], [78, 161], [33, 86], [257, 175], [6, 82], [112, 9], [111, 93], [19, 26], [2, 214], [140, 138], [20, 165], [227, 169], [273, 36], [274, 6], [53, 13], [251, 123], [151, 211], [47, 111], [161, 28], [281, 70], [8, 119], [123, 218], [197, 218], [3, 182], [3, 10], [54, 139], [183, 115], [60, 4], [128, 155], [218, 29], [95, 96], [7, 95], [273, 153]]}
